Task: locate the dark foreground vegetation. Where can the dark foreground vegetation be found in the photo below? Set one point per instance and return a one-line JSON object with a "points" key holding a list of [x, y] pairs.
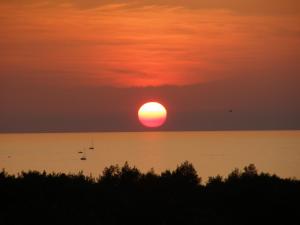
{"points": [[127, 196]]}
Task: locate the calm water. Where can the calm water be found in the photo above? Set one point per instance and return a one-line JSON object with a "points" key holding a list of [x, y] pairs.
{"points": [[211, 153]]}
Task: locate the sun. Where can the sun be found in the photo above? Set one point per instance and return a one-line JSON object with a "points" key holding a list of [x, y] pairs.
{"points": [[152, 114]]}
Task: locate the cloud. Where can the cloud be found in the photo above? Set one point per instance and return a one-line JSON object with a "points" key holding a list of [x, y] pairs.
{"points": [[256, 102], [239, 6], [152, 47]]}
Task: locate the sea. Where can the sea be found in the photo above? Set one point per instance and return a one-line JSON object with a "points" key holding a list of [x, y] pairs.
{"points": [[212, 153]]}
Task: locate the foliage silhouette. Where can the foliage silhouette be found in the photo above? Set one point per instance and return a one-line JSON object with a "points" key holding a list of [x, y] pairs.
{"points": [[124, 195]]}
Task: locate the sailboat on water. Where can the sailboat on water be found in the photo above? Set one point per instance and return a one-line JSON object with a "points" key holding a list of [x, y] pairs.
{"points": [[92, 145], [83, 157]]}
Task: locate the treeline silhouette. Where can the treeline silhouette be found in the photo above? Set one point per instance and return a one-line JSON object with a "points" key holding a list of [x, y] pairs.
{"points": [[124, 195]]}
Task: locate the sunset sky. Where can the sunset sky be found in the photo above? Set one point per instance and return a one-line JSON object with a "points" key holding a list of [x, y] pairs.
{"points": [[88, 65]]}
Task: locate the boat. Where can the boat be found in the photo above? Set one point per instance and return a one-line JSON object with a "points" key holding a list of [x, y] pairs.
{"points": [[83, 157], [92, 146]]}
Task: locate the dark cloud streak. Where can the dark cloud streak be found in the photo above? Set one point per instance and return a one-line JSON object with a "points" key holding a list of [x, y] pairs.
{"points": [[256, 103], [245, 6]]}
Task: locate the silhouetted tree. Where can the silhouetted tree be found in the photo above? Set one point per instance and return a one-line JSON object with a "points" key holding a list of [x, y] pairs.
{"points": [[129, 175], [215, 181], [187, 174], [110, 176], [234, 175], [250, 170], [127, 196]]}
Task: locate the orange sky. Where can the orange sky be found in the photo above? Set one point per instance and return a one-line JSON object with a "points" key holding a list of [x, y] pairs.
{"points": [[146, 43], [64, 46]]}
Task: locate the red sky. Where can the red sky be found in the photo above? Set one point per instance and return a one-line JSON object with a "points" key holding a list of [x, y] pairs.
{"points": [[193, 53]]}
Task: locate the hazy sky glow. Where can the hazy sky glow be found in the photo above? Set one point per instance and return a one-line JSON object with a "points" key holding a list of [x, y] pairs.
{"points": [[53, 49]]}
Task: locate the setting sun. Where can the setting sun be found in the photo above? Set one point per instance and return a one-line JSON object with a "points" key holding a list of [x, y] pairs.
{"points": [[152, 114]]}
